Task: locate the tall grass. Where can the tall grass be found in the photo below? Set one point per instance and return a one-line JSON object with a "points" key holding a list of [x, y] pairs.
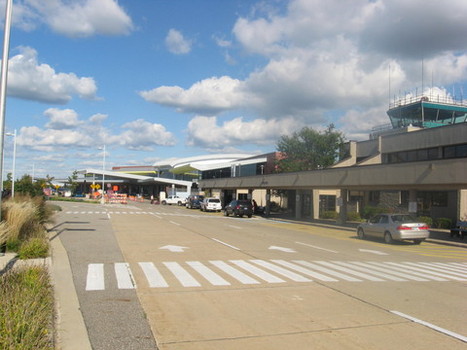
{"points": [[26, 309], [22, 227]]}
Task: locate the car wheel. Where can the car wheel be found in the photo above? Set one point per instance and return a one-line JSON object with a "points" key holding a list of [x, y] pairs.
{"points": [[179, 203], [418, 241], [388, 238], [226, 213], [249, 215], [361, 233], [164, 202]]}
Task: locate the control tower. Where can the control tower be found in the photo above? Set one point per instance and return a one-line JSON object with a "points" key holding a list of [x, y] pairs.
{"points": [[420, 112]]}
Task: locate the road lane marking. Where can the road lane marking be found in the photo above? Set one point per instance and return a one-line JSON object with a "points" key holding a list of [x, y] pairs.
{"points": [[233, 272], [265, 276], [281, 271], [233, 226], [220, 273], [327, 271], [377, 252], [95, 277], [226, 244], [346, 270], [124, 276], [434, 271], [154, 277], [395, 273], [371, 271], [418, 272], [208, 274], [282, 249], [305, 271], [442, 270], [174, 223], [182, 275], [432, 326], [175, 248], [313, 246]]}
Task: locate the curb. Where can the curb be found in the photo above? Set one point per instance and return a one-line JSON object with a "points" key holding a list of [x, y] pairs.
{"points": [[71, 332]]}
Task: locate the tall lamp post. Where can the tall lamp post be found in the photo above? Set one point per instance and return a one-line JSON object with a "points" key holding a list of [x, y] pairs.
{"points": [[14, 163], [3, 85], [103, 176]]}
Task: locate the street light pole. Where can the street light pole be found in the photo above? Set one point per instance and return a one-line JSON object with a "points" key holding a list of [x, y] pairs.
{"points": [[3, 85], [14, 163], [103, 176]]}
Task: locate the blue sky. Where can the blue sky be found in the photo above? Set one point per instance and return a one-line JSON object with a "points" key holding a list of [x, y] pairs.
{"points": [[159, 79]]}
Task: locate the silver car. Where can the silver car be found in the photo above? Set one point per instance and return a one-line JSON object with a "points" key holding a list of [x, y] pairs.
{"points": [[211, 204], [394, 227]]}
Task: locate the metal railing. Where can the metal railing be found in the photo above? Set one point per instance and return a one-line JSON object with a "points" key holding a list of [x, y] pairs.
{"points": [[408, 99]]}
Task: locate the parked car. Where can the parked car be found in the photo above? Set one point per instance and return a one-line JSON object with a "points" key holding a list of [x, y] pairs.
{"points": [[174, 200], [211, 204], [194, 201], [394, 227], [239, 208]]}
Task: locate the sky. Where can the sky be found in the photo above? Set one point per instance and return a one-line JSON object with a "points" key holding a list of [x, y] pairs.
{"points": [[159, 79]]}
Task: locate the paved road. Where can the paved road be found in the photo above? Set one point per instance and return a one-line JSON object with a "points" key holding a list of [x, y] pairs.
{"points": [[208, 282]]}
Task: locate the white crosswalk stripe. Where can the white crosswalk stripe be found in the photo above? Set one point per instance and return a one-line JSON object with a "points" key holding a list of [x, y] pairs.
{"points": [[124, 276], [95, 277], [255, 271], [154, 277]]}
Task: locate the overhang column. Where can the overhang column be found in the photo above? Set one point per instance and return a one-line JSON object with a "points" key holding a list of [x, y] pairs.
{"points": [[267, 210], [342, 203], [298, 204]]}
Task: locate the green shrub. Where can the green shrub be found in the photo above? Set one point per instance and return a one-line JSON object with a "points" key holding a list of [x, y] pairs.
{"points": [[443, 223], [427, 220], [26, 309], [353, 216], [369, 211], [329, 215], [36, 247]]}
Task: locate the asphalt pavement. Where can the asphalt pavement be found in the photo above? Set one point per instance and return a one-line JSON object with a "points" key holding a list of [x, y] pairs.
{"points": [[71, 330]]}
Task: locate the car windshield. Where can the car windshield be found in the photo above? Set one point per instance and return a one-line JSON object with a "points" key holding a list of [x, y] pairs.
{"points": [[402, 218], [214, 200]]}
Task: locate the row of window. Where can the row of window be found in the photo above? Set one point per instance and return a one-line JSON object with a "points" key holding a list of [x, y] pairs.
{"points": [[455, 151]]}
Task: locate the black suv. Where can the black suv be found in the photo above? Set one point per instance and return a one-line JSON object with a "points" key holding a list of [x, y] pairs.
{"points": [[194, 201], [239, 207]]}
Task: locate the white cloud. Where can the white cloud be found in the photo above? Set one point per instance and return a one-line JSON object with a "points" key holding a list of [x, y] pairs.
{"points": [[142, 135], [62, 119], [98, 118], [326, 58], [176, 42], [208, 96], [206, 133], [82, 18], [48, 140], [65, 130], [30, 80]]}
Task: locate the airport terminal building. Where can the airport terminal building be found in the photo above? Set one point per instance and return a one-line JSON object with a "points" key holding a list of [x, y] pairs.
{"points": [[416, 164]]}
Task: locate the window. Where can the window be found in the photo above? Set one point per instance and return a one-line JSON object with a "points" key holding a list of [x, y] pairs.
{"points": [[384, 219], [457, 151]]}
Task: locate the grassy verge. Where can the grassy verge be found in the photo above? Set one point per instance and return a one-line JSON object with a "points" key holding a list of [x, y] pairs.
{"points": [[26, 293], [26, 309]]}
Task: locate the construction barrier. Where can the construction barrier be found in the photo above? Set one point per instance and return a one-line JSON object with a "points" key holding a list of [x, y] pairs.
{"points": [[116, 198]]}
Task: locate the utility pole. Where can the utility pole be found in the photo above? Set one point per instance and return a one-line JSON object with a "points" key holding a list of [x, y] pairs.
{"points": [[3, 85]]}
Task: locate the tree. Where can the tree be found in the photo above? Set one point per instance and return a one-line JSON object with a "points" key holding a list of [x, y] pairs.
{"points": [[26, 186], [309, 149], [72, 182]]}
